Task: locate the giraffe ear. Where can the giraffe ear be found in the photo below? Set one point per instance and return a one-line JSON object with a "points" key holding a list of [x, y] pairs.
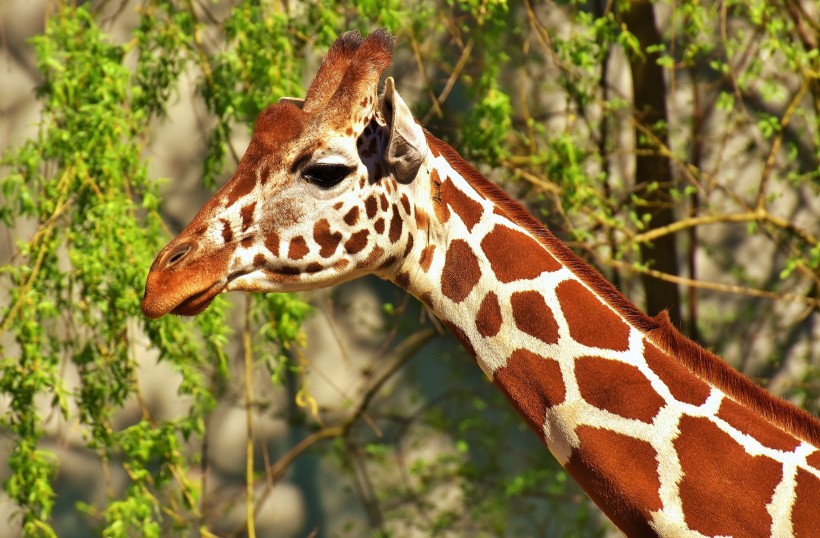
{"points": [[293, 100], [407, 147]]}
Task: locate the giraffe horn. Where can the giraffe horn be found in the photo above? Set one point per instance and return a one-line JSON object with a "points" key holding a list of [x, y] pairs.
{"points": [[361, 78], [333, 68]]}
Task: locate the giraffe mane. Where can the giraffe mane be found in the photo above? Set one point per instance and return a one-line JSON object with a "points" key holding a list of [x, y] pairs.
{"points": [[658, 330]]}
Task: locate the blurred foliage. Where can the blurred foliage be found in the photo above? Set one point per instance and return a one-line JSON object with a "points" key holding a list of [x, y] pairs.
{"points": [[527, 92]]}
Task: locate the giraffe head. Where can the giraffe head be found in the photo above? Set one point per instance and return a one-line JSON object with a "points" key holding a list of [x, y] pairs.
{"points": [[320, 196]]}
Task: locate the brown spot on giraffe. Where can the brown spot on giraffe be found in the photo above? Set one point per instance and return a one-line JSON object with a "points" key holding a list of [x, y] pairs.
{"points": [[247, 242], [379, 225], [298, 248], [461, 271], [439, 208], [389, 261], [264, 173], [247, 215], [488, 320], [516, 256], [283, 274], [426, 258], [338, 205], [313, 267], [405, 203], [384, 203], [356, 242], [352, 216], [422, 220], [403, 280], [227, 233], [409, 246], [751, 424], [272, 243], [327, 240], [620, 474], [465, 207], [533, 316], [813, 459], [590, 322], [372, 258], [395, 225], [533, 384], [371, 206], [804, 512], [680, 382], [259, 260], [618, 388], [341, 264], [706, 479], [427, 298], [290, 270]]}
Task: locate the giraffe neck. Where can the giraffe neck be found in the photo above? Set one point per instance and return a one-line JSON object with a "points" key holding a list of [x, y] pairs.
{"points": [[661, 434]]}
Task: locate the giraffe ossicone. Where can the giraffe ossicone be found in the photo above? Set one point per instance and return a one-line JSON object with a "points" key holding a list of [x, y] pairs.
{"points": [[664, 436]]}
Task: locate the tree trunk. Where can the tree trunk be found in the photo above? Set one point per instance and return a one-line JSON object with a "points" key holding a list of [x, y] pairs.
{"points": [[649, 94]]}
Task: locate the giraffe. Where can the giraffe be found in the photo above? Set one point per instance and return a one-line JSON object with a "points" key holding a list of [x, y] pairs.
{"points": [[664, 436]]}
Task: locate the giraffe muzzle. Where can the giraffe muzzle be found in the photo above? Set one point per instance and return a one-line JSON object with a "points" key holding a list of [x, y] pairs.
{"points": [[183, 280]]}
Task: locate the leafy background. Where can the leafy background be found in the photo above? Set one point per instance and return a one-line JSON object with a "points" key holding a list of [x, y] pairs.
{"points": [[675, 145]]}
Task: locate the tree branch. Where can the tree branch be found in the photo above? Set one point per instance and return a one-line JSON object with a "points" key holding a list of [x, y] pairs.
{"points": [[401, 354], [716, 286]]}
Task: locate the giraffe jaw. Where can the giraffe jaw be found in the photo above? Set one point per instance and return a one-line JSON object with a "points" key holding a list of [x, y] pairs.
{"points": [[198, 302], [275, 280]]}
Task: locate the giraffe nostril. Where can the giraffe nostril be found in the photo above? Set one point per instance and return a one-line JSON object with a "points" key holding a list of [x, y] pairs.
{"points": [[176, 254]]}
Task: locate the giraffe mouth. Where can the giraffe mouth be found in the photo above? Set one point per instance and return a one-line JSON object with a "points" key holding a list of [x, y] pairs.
{"points": [[199, 301]]}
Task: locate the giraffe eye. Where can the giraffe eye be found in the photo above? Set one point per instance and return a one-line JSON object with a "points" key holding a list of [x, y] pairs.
{"points": [[326, 175]]}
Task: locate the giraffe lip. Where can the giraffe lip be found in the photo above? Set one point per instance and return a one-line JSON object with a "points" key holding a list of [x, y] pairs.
{"points": [[199, 301]]}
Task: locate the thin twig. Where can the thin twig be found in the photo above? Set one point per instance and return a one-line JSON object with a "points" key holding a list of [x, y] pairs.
{"points": [[537, 180], [249, 478], [401, 354], [423, 72], [42, 235], [778, 140], [716, 286], [451, 81]]}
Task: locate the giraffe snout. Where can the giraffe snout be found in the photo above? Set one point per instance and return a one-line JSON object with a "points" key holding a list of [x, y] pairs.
{"points": [[184, 279]]}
